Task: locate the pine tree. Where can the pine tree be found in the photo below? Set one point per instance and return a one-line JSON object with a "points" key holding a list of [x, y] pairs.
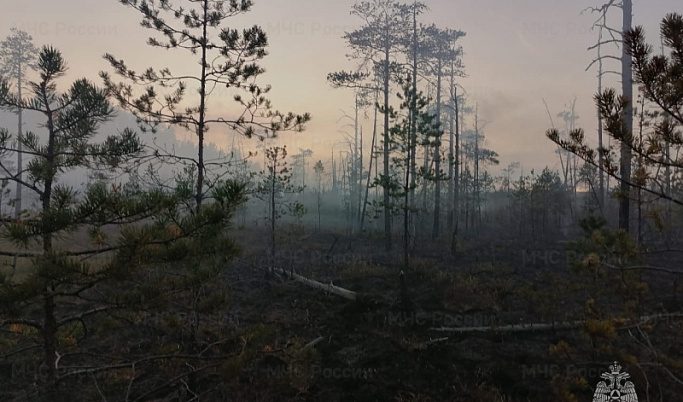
{"points": [[17, 54], [319, 170], [72, 119], [415, 113], [227, 59], [382, 36], [273, 187], [658, 77], [87, 247], [438, 50]]}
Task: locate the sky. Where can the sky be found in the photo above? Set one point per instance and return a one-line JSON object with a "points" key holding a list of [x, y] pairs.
{"points": [[516, 54]]}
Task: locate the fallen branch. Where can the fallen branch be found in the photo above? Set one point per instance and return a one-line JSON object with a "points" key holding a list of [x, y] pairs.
{"points": [[513, 328], [336, 290], [431, 342], [554, 326], [314, 342], [643, 267]]}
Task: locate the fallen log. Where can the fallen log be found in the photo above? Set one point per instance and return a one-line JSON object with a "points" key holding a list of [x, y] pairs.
{"points": [[314, 342], [431, 342], [336, 290], [619, 322]]}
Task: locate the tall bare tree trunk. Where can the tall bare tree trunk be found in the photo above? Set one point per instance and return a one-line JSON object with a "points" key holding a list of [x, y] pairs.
{"points": [[359, 188], [334, 174], [641, 122], [202, 112], [49, 315], [601, 198], [354, 179], [387, 198], [272, 212], [425, 189], [437, 157], [372, 151], [17, 206], [409, 179], [413, 119], [456, 178], [406, 197], [627, 90], [376, 221], [475, 195], [667, 155], [451, 156]]}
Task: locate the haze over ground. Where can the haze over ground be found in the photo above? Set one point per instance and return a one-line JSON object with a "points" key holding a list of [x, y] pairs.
{"points": [[516, 54]]}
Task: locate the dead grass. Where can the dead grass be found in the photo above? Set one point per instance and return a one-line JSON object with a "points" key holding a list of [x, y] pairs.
{"points": [[361, 270]]}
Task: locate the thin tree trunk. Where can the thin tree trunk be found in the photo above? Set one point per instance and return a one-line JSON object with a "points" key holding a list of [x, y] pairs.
{"points": [[475, 195], [451, 156], [372, 151], [413, 119], [456, 178], [406, 201], [425, 186], [387, 198], [376, 221], [272, 212], [359, 189], [437, 158], [303, 171], [334, 175], [17, 205], [601, 173], [49, 319], [354, 179], [667, 154], [409, 178], [627, 90], [202, 112], [640, 166]]}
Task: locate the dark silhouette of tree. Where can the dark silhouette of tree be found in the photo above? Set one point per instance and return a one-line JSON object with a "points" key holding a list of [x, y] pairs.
{"points": [[273, 186], [627, 92], [319, 170], [343, 79], [413, 110], [601, 24], [300, 163], [625, 157], [438, 50], [375, 43], [68, 287], [227, 59], [659, 79]]}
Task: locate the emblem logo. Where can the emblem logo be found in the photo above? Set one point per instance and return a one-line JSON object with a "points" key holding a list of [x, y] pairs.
{"points": [[616, 389]]}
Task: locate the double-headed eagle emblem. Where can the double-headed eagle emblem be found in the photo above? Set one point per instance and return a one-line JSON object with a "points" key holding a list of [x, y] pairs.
{"points": [[616, 389]]}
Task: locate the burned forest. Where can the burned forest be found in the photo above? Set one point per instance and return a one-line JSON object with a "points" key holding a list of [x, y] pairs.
{"points": [[361, 200]]}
